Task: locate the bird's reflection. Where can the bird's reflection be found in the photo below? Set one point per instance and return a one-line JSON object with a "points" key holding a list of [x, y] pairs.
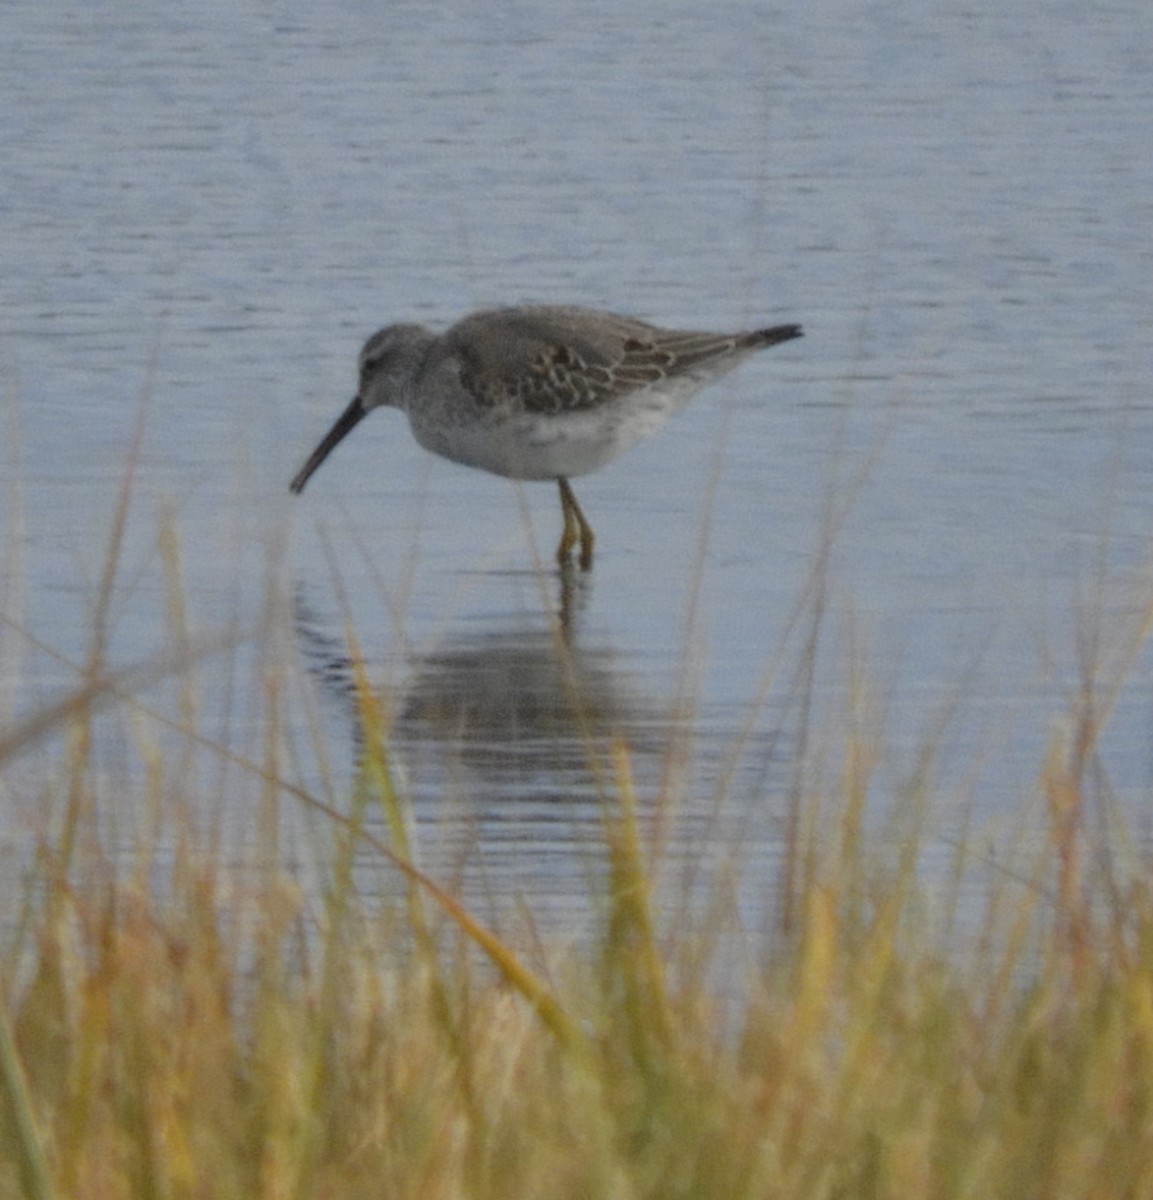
{"points": [[510, 706], [504, 731], [503, 736], [523, 711], [573, 588]]}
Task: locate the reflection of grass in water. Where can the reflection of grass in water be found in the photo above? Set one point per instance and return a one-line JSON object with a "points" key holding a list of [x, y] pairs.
{"points": [[201, 1036]]}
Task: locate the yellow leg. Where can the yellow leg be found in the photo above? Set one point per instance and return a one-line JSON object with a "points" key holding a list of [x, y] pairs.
{"points": [[576, 527]]}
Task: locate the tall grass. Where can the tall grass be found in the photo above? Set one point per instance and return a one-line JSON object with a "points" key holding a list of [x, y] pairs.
{"points": [[172, 1027]]}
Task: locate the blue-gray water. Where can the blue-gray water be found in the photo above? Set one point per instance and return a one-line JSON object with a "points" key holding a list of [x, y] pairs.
{"points": [[204, 210]]}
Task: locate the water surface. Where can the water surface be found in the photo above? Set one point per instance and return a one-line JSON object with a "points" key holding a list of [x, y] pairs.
{"points": [[204, 212]]}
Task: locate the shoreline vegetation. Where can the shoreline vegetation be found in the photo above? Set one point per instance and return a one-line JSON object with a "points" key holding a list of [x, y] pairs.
{"points": [[175, 1027]]}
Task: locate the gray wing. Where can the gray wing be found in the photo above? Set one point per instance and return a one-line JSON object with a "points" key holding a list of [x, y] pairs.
{"points": [[550, 360]]}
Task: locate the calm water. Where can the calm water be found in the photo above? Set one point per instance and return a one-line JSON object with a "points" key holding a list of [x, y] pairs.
{"points": [[206, 210]]}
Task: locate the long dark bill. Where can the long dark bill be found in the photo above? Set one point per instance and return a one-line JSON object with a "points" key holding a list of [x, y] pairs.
{"points": [[345, 423]]}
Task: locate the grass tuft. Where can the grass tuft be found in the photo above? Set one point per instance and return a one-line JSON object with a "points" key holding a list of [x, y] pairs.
{"points": [[182, 1020]]}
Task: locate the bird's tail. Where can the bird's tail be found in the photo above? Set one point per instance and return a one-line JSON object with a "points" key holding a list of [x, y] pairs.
{"points": [[763, 338]]}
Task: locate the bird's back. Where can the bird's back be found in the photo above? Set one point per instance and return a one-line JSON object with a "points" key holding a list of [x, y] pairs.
{"points": [[552, 359]]}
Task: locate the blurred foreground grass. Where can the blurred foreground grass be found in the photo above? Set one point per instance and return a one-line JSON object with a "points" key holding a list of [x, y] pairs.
{"points": [[167, 1033]]}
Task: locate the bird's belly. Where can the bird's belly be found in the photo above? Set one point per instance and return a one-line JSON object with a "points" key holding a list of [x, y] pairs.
{"points": [[544, 446]]}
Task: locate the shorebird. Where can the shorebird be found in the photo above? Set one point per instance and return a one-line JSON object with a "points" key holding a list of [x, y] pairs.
{"points": [[544, 392]]}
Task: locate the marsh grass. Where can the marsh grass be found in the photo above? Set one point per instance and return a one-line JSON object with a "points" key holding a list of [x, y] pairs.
{"points": [[173, 1026]]}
